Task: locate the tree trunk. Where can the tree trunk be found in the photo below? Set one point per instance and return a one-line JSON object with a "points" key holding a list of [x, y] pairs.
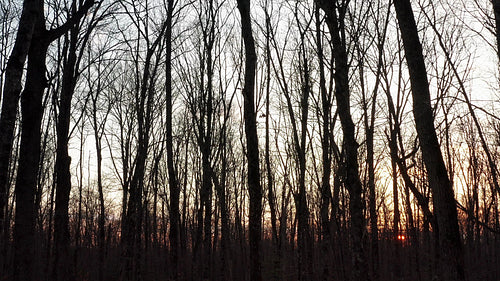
{"points": [[496, 12], [369, 124], [62, 267], [144, 109], [205, 220], [326, 194], [29, 156], [335, 24], [98, 146], [10, 98], [254, 188], [172, 175], [304, 235], [452, 259], [270, 180], [393, 148]]}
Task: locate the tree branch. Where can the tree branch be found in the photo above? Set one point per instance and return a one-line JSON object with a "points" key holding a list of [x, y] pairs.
{"points": [[57, 32]]}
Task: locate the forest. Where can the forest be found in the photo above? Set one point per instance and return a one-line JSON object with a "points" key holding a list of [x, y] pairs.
{"points": [[249, 140]]}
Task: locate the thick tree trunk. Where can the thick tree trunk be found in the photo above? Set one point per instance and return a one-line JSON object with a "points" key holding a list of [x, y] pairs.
{"points": [[10, 97], [32, 111], [254, 188], [29, 156], [32, 15], [452, 262]]}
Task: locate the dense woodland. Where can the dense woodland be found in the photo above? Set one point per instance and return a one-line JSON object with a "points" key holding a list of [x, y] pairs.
{"points": [[249, 140]]}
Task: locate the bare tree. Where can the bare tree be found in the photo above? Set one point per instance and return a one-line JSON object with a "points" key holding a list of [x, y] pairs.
{"points": [[299, 130], [11, 90], [9, 18], [101, 100], [144, 94], [62, 266], [165, 141], [29, 154], [335, 15], [173, 183], [271, 194], [326, 108], [252, 152], [443, 195], [381, 21]]}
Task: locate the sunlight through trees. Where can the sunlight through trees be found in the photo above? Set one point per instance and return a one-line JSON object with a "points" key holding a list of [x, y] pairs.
{"points": [[249, 140]]}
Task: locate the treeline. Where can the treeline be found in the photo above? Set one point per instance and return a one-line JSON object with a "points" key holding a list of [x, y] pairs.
{"points": [[238, 140]]}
